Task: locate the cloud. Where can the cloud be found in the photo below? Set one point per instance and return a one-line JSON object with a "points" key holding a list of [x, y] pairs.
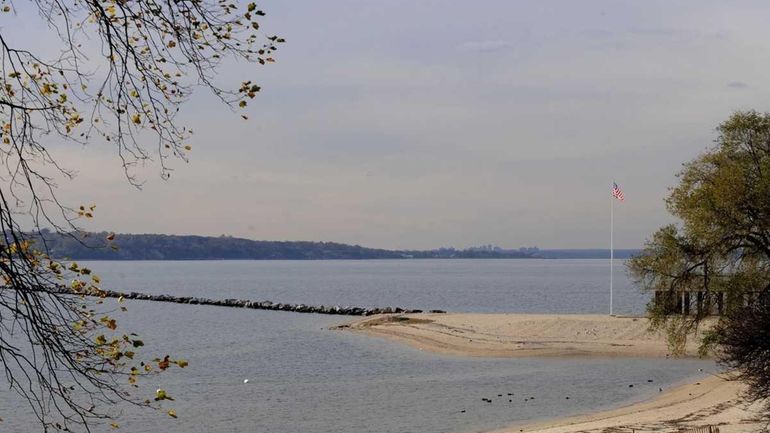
{"points": [[485, 46], [737, 85]]}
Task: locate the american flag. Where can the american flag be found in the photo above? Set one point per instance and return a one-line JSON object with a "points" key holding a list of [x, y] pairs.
{"points": [[616, 192]]}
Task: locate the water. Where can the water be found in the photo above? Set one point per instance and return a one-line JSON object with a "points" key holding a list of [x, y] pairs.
{"points": [[543, 286], [307, 378]]}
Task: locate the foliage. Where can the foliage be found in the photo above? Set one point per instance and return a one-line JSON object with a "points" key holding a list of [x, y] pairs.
{"points": [[97, 246], [743, 339], [722, 243], [121, 73]]}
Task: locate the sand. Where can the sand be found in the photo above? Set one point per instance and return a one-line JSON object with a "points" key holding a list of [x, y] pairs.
{"points": [[710, 401], [516, 335]]}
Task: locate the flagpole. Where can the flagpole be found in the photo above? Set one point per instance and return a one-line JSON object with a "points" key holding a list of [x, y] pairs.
{"points": [[612, 246]]}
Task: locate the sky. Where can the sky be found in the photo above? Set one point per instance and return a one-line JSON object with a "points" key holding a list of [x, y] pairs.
{"points": [[420, 124]]}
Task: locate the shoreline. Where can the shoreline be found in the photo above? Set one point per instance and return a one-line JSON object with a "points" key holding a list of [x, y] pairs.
{"points": [[523, 335], [713, 400]]}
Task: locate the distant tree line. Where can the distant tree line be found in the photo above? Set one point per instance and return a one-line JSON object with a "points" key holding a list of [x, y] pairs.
{"points": [[106, 246]]}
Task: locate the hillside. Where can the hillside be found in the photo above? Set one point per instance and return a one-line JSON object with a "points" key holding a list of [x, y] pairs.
{"points": [[95, 246]]}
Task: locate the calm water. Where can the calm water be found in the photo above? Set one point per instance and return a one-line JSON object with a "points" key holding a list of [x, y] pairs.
{"points": [[306, 378], [545, 286]]}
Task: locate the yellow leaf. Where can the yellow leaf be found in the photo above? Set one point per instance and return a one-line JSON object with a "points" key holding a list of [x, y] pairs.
{"points": [[160, 394]]}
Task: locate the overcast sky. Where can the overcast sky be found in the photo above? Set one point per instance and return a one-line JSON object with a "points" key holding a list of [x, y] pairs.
{"points": [[420, 124]]}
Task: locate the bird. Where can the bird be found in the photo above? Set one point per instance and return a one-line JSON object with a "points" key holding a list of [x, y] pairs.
{"points": [[245, 380]]}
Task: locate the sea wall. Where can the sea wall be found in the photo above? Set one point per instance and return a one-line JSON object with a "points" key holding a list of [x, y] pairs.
{"points": [[258, 305]]}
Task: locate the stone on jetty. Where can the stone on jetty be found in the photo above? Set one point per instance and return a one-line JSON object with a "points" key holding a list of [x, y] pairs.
{"points": [[245, 303]]}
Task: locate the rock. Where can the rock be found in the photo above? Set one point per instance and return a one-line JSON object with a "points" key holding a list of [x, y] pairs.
{"points": [[245, 303]]}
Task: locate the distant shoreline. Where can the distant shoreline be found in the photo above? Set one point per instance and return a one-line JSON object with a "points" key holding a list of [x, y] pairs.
{"points": [[333, 260], [110, 246]]}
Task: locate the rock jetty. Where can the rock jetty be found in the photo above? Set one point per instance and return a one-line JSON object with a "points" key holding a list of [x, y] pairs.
{"points": [[258, 305]]}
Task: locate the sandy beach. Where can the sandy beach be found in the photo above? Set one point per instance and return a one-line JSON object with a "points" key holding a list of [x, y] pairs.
{"points": [[709, 401], [517, 335]]}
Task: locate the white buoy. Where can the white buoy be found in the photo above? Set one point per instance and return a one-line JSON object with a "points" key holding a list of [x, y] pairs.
{"points": [[245, 380]]}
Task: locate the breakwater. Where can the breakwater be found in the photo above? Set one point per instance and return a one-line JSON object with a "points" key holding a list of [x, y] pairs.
{"points": [[257, 305]]}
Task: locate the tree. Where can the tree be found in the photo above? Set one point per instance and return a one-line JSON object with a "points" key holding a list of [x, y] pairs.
{"points": [[121, 74], [721, 248]]}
